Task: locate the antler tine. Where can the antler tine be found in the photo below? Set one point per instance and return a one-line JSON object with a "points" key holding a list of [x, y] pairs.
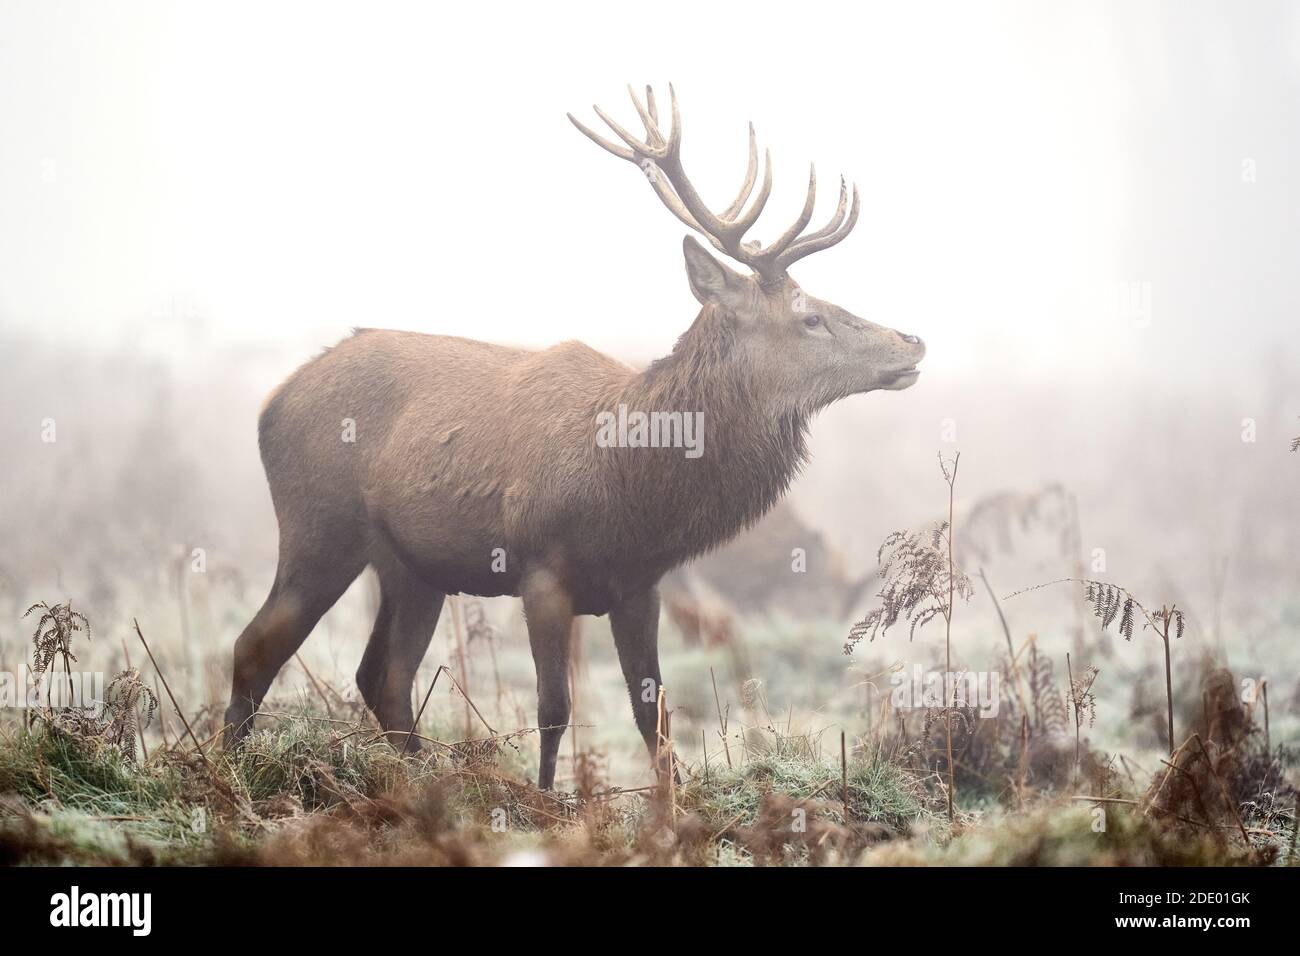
{"points": [[650, 102], [751, 174], [675, 133], [744, 223], [836, 219], [651, 124], [645, 149], [805, 216], [600, 141], [820, 240]]}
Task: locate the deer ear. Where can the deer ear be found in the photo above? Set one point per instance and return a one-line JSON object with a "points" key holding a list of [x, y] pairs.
{"points": [[711, 281]]}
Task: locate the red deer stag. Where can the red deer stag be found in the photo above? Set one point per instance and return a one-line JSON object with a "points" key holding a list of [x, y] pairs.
{"points": [[451, 465]]}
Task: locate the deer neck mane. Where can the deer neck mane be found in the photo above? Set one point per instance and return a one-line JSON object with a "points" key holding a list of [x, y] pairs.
{"points": [[749, 452]]}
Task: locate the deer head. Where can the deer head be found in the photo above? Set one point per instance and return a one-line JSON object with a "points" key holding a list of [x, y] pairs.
{"points": [[808, 351]]}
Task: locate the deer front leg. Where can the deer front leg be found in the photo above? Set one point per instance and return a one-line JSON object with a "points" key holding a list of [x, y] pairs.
{"points": [[548, 608], [635, 623]]}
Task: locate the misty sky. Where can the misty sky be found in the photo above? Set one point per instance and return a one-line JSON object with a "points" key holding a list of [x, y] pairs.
{"points": [[273, 174], [1090, 212]]}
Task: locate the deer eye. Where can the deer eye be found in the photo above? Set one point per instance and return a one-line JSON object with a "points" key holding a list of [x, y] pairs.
{"points": [[812, 321]]}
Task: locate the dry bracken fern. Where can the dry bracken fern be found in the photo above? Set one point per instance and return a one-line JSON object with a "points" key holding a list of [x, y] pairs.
{"points": [[1048, 708], [1081, 696], [54, 631], [1111, 602], [129, 707], [917, 579]]}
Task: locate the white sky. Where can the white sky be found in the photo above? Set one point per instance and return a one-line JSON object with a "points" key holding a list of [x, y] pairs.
{"points": [[285, 171]]}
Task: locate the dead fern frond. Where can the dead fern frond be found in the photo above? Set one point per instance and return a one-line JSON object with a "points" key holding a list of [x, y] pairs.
{"points": [[915, 570], [1165, 618], [1049, 714], [1081, 697], [129, 707], [52, 639], [54, 631], [1110, 603]]}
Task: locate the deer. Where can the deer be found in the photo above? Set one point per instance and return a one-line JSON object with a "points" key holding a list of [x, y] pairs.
{"points": [[453, 466]]}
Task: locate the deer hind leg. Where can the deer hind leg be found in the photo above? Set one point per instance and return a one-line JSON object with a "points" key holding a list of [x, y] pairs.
{"points": [[548, 609], [374, 661], [635, 623], [303, 591], [408, 614]]}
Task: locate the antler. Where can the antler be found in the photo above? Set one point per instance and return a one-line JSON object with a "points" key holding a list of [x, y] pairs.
{"points": [[660, 160]]}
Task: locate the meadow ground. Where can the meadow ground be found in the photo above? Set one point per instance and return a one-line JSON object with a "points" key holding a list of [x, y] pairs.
{"points": [[759, 783]]}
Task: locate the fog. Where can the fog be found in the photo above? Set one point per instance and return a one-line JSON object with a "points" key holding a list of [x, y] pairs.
{"points": [[1088, 211]]}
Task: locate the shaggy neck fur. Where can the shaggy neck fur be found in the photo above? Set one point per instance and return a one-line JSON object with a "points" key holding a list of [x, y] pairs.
{"points": [[751, 451]]}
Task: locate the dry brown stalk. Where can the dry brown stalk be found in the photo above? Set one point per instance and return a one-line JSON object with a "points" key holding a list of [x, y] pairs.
{"points": [[172, 697], [722, 721], [461, 663], [406, 744], [1016, 677], [664, 765]]}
